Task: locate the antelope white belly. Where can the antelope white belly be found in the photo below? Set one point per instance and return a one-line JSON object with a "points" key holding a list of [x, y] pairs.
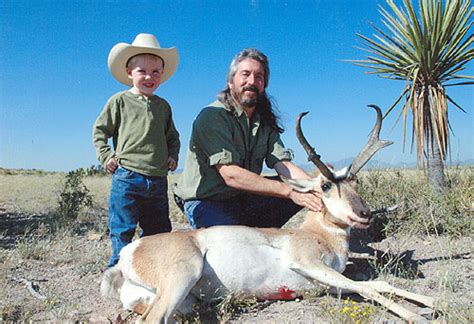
{"points": [[261, 268]]}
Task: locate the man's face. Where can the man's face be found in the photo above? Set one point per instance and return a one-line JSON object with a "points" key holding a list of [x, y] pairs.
{"points": [[146, 74], [248, 83]]}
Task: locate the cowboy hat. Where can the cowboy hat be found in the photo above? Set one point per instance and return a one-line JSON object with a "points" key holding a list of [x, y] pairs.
{"points": [[143, 44]]}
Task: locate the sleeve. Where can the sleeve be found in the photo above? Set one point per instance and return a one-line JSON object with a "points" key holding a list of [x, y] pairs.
{"points": [[104, 128], [172, 138], [276, 150], [212, 134]]}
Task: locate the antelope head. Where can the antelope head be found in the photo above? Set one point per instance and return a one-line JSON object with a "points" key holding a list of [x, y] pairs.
{"points": [[343, 205]]}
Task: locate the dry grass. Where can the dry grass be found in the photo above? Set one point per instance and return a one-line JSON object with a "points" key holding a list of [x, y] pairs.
{"points": [[421, 210], [30, 193]]}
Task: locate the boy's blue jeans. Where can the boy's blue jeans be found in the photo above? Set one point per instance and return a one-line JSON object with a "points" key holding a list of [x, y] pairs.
{"points": [[245, 209], [136, 199]]}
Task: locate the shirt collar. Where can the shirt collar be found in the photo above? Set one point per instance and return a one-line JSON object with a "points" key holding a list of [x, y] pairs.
{"points": [[142, 97], [238, 111]]}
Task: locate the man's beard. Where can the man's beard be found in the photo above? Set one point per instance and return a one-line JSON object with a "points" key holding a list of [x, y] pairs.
{"points": [[249, 102]]}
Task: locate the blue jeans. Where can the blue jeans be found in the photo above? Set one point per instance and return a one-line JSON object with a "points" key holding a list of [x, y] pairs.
{"points": [[245, 209], [136, 199]]}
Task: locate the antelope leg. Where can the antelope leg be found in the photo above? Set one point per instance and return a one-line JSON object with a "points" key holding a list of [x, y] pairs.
{"points": [[327, 276], [384, 287]]}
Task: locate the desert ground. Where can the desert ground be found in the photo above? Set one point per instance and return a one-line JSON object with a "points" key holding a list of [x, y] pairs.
{"points": [[52, 273]]}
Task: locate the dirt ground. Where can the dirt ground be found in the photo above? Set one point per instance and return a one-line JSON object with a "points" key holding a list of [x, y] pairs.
{"points": [[65, 285]]}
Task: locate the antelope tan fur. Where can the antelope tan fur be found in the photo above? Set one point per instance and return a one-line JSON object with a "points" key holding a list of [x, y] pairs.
{"points": [[160, 275]]}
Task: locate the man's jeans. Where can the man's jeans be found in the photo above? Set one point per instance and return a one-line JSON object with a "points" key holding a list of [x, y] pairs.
{"points": [[246, 209], [136, 199]]}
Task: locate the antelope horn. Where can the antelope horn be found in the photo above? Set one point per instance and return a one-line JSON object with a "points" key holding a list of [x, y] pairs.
{"points": [[312, 155], [372, 146]]}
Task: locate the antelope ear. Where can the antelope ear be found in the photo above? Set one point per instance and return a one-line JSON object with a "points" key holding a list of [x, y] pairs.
{"points": [[300, 185]]}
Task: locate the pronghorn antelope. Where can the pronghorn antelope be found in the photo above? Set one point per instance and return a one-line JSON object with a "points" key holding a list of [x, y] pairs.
{"points": [[166, 273]]}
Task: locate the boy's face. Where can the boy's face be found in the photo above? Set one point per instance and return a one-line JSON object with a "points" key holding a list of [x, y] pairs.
{"points": [[145, 73]]}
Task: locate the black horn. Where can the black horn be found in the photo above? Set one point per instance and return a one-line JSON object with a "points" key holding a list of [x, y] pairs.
{"points": [[312, 155]]}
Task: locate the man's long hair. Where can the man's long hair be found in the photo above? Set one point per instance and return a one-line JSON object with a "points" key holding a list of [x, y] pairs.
{"points": [[265, 106]]}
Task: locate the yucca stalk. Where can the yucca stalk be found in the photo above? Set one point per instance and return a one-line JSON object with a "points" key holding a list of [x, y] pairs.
{"points": [[427, 50]]}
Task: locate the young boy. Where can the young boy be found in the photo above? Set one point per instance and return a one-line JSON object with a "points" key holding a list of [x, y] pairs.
{"points": [[145, 141]]}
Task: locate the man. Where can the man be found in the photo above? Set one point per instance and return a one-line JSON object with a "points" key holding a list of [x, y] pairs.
{"points": [[231, 138]]}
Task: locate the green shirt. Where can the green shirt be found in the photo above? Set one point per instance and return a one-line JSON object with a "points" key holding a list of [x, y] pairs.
{"points": [[224, 136], [143, 133]]}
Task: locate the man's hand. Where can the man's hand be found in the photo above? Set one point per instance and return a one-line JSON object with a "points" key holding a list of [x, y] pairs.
{"points": [[172, 164], [311, 200], [111, 165]]}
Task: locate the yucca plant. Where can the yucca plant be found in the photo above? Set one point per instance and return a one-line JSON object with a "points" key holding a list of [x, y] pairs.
{"points": [[427, 50]]}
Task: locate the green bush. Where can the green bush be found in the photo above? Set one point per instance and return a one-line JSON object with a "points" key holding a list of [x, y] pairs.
{"points": [[74, 197]]}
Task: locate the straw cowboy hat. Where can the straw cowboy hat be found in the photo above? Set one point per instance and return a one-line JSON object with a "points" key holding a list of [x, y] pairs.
{"points": [[143, 44]]}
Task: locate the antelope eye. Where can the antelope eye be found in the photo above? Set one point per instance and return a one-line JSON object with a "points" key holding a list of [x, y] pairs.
{"points": [[326, 186]]}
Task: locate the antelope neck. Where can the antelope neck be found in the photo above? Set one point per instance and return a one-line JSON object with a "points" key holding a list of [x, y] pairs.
{"points": [[320, 223]]}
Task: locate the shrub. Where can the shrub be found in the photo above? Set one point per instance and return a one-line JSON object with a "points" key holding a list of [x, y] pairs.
{"points": [[74, 197]]}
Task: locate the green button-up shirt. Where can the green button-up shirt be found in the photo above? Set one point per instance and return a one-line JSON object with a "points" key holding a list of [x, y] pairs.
{"points": [[221, 135], [143, 133]]}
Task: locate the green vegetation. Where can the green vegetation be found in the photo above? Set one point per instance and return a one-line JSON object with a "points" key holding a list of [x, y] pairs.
{"points": [[74, 197]]}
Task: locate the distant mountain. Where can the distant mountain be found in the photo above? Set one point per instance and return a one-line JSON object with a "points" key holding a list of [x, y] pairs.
{"points": [[372, 164]]}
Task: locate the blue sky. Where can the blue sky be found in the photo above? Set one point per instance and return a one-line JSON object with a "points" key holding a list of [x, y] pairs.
{"points": [[55, 81]]}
